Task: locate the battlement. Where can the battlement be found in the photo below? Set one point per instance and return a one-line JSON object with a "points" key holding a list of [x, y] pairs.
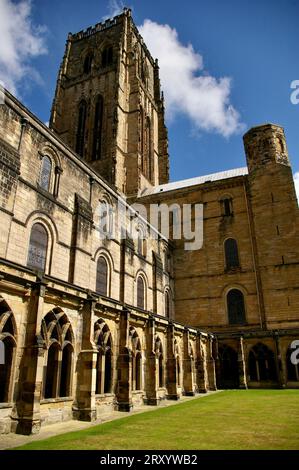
{"points": [[104, 25]]}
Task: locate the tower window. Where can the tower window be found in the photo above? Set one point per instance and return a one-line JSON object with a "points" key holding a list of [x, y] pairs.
{"points": [[236, 307], [231, 253], [227, 207], [87, 64], [107, 56], [148, 150], [97, 130], [45, 174], [81, 128], [38, 246]]}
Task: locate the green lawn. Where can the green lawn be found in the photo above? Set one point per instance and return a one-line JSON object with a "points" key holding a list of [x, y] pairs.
{"points": [[238, 419]]}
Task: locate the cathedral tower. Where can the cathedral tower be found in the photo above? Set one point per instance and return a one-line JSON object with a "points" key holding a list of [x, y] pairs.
{"points": [[108, 105]]}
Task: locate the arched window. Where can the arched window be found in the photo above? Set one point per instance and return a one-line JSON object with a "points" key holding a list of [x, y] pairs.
{"points": [[159, 357], [7, 349], [292, 369], [102, 276], [231, 253], [136, 373], [97, 128], [107, 56], [104, 369], [261, 364], [80, 140], [236, 307], [87, 64], [45, 173], [38, 246], [140, 293], [227, 206], [58, 336]]}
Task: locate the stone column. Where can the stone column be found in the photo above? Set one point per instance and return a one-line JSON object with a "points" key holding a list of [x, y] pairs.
{"points": [[200, 365], [171, 382], [211, 364], [188, 386], [151, 386], [84, 407], [124, 365], [242, 364], [281, 363], [26, 413]]}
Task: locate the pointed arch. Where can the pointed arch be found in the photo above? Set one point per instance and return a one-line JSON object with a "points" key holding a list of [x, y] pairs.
{"points": [[104, 365], [8, 342], [58, 335], [136, 372], [261, 364]]}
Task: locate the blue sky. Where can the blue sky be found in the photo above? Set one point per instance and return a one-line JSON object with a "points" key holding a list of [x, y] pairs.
{"points": [[252, 44]]}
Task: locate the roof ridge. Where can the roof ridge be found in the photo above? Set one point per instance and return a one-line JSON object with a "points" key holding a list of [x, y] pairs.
{"points": [[196, 180]]}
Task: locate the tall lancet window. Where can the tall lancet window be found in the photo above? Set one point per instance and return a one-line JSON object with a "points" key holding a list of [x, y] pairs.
{"points": [[81, 128], [142, 140], [97, 129], [148, 150]]}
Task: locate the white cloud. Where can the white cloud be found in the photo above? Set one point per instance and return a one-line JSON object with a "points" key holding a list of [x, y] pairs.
{"points": [[296, 181], [188, 88], [20, 41], [115, 7]]}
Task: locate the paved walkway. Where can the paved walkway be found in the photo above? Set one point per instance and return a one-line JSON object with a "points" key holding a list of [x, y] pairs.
{"points": [[8, 441]]}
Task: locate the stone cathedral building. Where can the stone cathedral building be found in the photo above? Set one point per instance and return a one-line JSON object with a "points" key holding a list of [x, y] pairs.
{"points": [[89, 323]]}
